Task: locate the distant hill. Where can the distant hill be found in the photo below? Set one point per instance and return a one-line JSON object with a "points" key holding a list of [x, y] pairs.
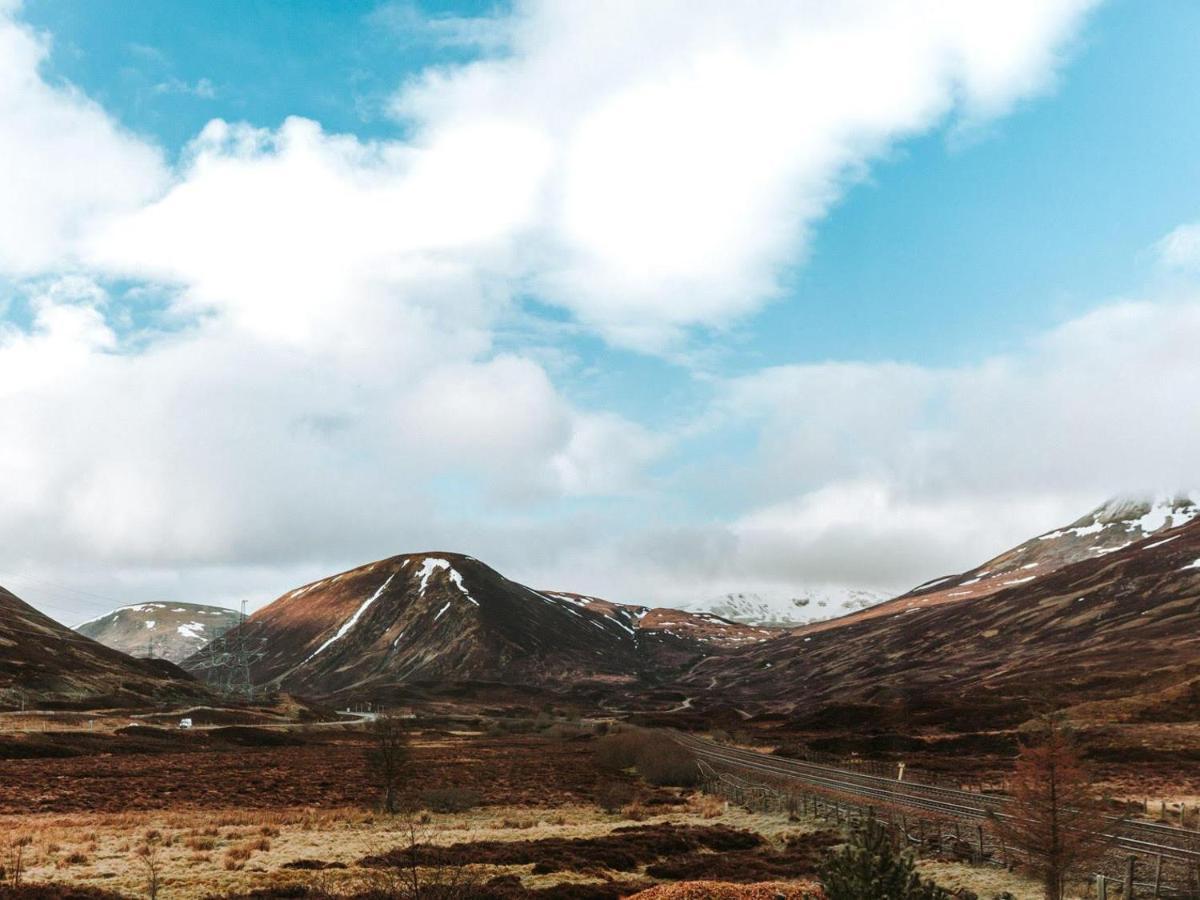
{"points": [[1110, 527], [449, 618], [42, 661], [172, 631], [1111, 612]]}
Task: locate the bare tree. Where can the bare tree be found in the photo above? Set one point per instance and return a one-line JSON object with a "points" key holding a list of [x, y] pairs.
{"points": [[16, 859], [418, 869], [1054, 817], [147, 855], [388, 758]]}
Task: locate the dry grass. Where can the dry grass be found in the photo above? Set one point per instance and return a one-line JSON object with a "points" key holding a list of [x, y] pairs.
{"points": [[205, 853], [202, 853], [983, 880]]}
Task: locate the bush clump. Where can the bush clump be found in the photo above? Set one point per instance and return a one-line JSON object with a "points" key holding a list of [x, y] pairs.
{"points": [[613, 796], [657, 757], [871, 868], [450, 800]]}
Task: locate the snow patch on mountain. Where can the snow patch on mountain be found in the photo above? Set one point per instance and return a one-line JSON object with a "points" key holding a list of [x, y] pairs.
{"points": [[353, 620], [785, 610]]}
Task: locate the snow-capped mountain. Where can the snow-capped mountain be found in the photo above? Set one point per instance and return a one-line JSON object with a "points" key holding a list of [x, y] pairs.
{"points": [[1119, 624], [172, 631], [1116, 524], [785, 610], [446, 618], [43, 660]]}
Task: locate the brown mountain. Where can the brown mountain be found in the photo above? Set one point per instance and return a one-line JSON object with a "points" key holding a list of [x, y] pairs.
{"points": [[447, 618], [1113, 627], [1112, 526], [42, 661], [172, 631]]}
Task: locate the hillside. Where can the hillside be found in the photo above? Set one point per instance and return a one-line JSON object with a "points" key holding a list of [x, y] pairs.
{"points": [[172, 631], [447, 618], [42, 661], [1114, 626], [1110, 527]]}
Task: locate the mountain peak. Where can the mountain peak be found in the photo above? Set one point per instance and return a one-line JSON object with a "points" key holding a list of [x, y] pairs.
{"points": [[1145, 512]]}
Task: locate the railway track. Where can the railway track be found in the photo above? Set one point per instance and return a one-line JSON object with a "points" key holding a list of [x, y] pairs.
{"points": [[1145, 839]]}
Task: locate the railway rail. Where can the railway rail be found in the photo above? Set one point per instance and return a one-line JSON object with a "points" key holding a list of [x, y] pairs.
{"points": [[1143, 839]]}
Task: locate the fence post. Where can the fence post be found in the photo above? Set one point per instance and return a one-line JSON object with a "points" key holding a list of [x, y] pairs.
{"points": [[979, 829], [1101, 887], [1129, 863], [1157, 875]]}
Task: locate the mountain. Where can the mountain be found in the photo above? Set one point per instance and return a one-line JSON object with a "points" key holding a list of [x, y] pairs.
{"points": [[1121, 623], [779, 610], [42, 661], [448, 618], [173, 631], [1114, 525]]}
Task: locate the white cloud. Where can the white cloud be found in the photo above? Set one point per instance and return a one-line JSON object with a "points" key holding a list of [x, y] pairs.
{"points": [[1180, 249], [896, 473], [65, 166], [324, 375], [695, 144], [202, 88]]}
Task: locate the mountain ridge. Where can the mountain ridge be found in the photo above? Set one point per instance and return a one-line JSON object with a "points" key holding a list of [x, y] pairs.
{"points": [[441, 616]]}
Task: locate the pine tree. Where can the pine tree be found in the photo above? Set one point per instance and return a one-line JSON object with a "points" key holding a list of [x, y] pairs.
{"points": [[1053, 818], [870, 868]]}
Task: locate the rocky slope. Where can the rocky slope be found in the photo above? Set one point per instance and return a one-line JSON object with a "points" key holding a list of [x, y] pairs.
{"points": [[448, 618], [42, 661], [172, 631], [1112, 626]]}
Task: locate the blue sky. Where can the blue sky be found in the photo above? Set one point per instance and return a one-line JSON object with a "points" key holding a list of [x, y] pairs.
{"points": [[662, 380]]}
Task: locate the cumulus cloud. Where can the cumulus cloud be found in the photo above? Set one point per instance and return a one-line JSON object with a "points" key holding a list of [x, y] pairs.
{"points": [[318, 381], [693, 145], [67, 166], [895, 473]]}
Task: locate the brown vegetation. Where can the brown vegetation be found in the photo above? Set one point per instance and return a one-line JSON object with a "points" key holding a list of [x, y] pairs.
{"points": [[327, 769], [655, 755], [1054, 814], [622, 850], [718, 890]]}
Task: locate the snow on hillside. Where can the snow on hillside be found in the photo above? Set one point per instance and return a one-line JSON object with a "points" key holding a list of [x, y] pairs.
{"points": [[1110, 527], [1136, 516], [173, 631], [799, 608]]}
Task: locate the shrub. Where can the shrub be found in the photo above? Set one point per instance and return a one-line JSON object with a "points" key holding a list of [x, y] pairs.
{"points": [[239, 854], [618, 751], [450, 800], [666, 763], [870, 868], [656, 756], [612, 795]]}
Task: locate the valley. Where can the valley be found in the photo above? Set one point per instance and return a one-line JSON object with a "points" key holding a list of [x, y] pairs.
{"points": [[252, 760]]}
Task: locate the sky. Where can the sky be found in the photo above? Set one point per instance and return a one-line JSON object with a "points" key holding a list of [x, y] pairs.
{"points": [[650, 300]]}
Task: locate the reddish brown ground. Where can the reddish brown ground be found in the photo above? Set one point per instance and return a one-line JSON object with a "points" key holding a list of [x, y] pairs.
{"points": [[325, 770]]}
